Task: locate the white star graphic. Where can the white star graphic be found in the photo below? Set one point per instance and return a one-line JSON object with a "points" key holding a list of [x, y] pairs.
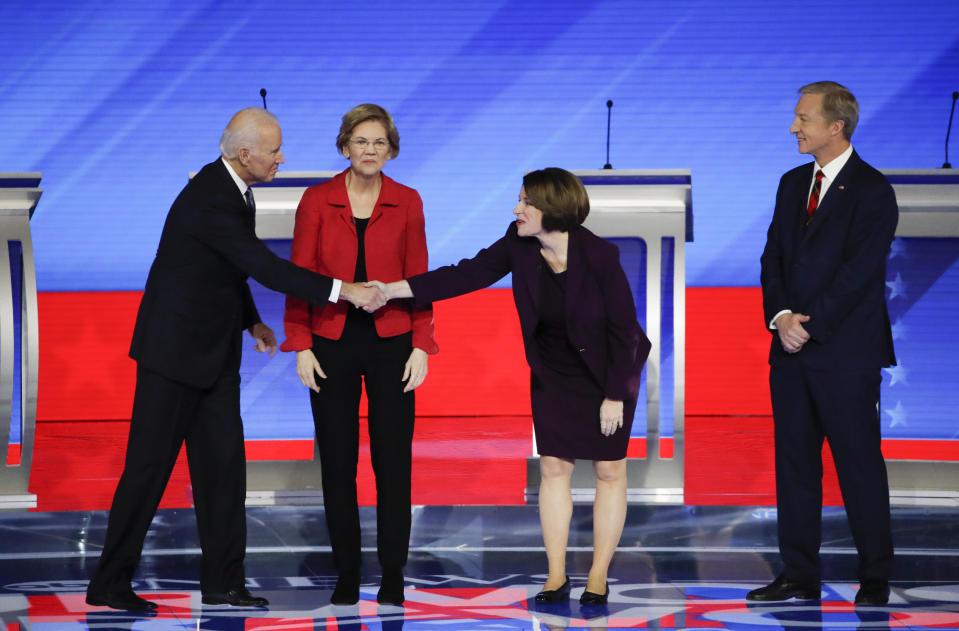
{"points": [[898, 373], [899, 330], [898, 248], [897, 414], [896, 287]]}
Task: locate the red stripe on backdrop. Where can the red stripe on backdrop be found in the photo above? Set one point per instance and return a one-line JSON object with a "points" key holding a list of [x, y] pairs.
{"points": [[77, 464], [84, 370], [85, 373], [13, 454], [727, 350]]}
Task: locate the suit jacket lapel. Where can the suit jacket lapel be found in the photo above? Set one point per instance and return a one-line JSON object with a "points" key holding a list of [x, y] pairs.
{"points": [[234, 191], [576, 265], [835, 196]]}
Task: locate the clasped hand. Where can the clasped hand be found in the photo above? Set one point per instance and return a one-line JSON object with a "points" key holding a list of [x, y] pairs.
{"points": [[367, 296], [791, 332]]}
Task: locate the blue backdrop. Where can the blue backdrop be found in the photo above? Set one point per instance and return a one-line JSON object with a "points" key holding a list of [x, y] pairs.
{"points": [[115, 102]]}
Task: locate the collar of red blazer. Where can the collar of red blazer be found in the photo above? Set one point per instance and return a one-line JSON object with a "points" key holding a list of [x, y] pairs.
{"points": [[389, 191]]}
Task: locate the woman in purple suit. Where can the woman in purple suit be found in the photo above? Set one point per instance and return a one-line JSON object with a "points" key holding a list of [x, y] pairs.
{"points": [[585, 351]]}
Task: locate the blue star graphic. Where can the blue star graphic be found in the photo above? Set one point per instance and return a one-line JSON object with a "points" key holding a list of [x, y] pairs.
{"points": [[897, 414], [899, 330], [898, 248], [898, 373], [896, 287]]}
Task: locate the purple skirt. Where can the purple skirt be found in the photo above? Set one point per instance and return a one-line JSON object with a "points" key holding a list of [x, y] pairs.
{"points": [[566, 418]]}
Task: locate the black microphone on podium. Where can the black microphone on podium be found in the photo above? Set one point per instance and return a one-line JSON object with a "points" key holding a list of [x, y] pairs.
{"points": [[955, 95], [609, 116], [263, 96]]}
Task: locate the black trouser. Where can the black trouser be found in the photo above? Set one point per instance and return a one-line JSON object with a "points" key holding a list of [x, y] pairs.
{"points": [[165, 414], [361, 356], [841, 406]]}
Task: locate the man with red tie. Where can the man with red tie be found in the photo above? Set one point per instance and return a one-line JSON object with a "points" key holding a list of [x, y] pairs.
{"points": [[823, 280]]}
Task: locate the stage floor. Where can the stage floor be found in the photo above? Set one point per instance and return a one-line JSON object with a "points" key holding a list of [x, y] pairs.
{"points": [[477, 567]]}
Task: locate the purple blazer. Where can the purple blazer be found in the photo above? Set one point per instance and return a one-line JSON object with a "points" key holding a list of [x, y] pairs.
{"points": [[600, 314]]}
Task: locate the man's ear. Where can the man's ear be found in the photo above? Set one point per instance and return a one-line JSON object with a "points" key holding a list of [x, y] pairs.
{"points": [[243, 155]]}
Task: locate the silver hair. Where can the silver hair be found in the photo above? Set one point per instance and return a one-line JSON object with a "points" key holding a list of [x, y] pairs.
{"points": [[243, 130]]}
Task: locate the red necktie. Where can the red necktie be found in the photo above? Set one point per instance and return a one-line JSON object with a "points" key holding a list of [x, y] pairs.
{"points": [[814, 195]]}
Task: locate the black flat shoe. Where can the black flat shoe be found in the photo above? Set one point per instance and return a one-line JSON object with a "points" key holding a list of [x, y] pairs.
{"points": [[391, 589], [784, 589], [873, 592], [591, 599], [124, 601], [236, 597], [347, 590], [554, 595]]}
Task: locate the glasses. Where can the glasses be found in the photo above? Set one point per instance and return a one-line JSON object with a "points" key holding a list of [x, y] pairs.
{"points": [[363, 144]]}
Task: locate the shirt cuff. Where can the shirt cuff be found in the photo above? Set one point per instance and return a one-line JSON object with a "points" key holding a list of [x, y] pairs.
{"points": [[772, 323], [335, 293]]}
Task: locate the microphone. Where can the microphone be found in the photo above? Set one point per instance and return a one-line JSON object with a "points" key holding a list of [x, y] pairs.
{"points": [[263, 95], [955, 95], [609, 116]]}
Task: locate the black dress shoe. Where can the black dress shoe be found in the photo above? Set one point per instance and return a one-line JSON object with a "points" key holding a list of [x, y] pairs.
{"points": [[554, 595], [237, 597], [391, 588], [784, 589], [593, 599], [347, 590], [124, 600], [873, 592]]}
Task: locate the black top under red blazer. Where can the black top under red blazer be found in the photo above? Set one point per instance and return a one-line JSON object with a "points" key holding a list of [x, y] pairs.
{"points": [[834, 269], [600, 314], [197, 302]]}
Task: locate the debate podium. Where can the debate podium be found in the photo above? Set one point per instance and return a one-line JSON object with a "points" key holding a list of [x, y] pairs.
{"points": [[928, 209], [271, 482], [19, 346], [653, 206]]}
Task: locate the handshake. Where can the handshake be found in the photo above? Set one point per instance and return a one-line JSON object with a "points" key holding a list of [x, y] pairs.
{"points": [[372, 295]]}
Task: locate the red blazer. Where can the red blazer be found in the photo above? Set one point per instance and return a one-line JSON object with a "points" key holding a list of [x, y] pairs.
{"points": [[324, 238]]}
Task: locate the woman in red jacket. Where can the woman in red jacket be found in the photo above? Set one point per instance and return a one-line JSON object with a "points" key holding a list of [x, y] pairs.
{"points": [[362, 225]]}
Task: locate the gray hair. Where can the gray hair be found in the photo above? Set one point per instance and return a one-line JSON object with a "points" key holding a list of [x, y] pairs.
{"points": [[243, 130], [838, 104]]}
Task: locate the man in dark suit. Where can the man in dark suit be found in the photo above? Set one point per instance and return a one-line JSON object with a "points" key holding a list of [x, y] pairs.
{"points": [[823, 280], [187, 343]]}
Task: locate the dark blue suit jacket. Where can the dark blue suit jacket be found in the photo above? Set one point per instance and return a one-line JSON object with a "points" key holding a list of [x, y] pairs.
{"points": [[834, 269], [197, 302], [601, 316]]}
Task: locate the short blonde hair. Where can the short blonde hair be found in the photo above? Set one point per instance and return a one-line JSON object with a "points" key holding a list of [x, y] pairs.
{"points": [[838, 104], [361, 114]]}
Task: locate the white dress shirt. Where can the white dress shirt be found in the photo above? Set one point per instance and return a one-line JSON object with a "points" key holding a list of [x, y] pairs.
{"points": [[829, 173]]}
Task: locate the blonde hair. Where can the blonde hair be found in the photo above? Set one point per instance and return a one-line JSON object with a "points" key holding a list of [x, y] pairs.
{"points": [[838, 104], [361, 114]]}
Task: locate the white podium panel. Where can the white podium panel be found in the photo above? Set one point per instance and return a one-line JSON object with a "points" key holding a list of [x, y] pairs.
{"points": [[928, 209], [294, 482], [19, 346]]}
